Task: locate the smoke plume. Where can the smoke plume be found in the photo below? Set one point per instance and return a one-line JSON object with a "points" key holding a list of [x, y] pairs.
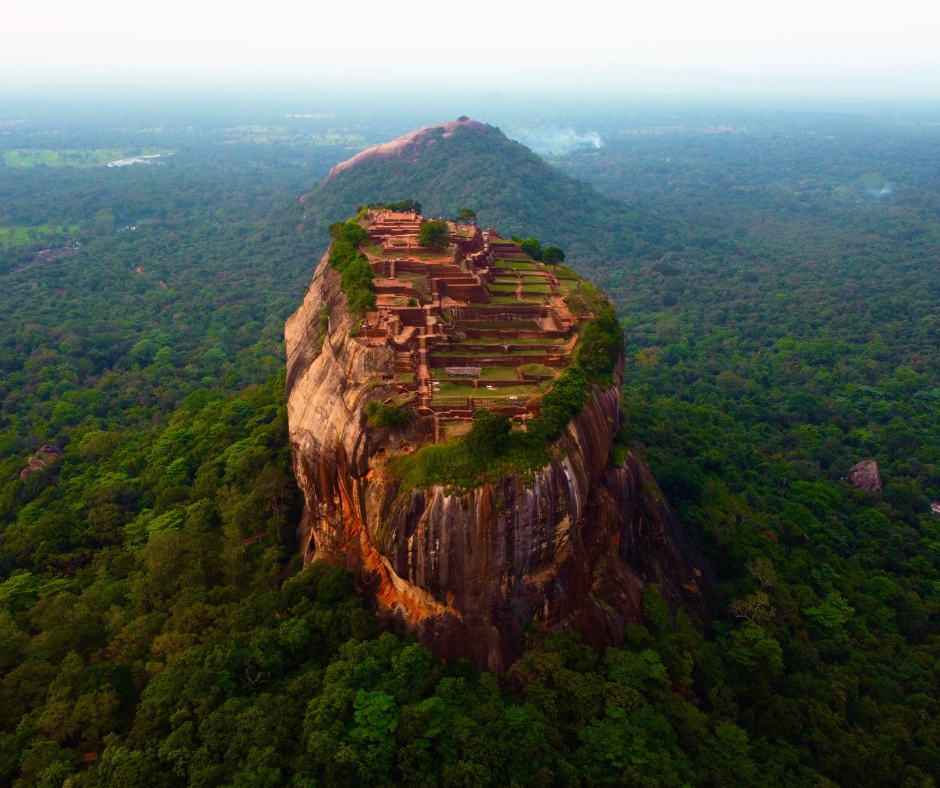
{"points": [[553, 141]]}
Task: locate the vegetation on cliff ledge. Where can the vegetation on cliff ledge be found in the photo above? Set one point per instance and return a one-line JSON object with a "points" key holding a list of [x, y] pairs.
{"points": [[345, 257], [433, 233], [384, 414], [456, 468], [469, 461]]}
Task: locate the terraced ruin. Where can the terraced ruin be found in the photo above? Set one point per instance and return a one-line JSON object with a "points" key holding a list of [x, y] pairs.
{"points": [[474, 323]]}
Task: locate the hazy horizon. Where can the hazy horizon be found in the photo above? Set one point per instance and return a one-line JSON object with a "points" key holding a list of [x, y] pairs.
{"points": [[675, 48]]}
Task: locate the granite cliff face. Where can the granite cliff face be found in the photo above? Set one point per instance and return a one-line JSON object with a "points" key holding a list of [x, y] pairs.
{"points": [[468, 573]]}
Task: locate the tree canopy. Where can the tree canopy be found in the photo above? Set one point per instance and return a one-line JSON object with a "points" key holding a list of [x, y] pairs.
{"points": [[433, 233]]}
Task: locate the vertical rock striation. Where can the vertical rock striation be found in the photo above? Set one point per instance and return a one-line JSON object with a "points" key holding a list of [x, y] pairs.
{"points": [[468, 573]]}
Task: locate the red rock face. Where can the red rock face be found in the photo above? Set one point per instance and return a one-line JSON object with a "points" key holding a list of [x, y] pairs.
{"points": [[410, 145], [468, 573]]}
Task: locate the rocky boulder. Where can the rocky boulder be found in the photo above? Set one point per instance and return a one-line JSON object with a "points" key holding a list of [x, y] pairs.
{"points": [[865, 476]]}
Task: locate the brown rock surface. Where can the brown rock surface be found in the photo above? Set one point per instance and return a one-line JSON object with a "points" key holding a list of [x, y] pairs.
{"points": [[467, 573], [865, 476], [408, 145]]}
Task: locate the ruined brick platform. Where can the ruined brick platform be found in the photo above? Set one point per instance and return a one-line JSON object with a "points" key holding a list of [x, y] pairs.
{"points": [[478, 305]]}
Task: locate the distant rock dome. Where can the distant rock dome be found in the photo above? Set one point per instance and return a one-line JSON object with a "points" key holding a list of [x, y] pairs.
{"points": [[409, 145]]}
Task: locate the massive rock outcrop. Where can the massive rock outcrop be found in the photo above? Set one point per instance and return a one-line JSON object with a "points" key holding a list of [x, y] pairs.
{"points": [[468, 573]]}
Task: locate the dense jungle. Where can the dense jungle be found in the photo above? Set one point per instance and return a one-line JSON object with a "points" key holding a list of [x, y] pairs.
{"points": [[775, 275]]}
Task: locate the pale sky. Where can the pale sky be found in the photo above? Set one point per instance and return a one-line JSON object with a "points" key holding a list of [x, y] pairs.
{"points": [[491, 43]]}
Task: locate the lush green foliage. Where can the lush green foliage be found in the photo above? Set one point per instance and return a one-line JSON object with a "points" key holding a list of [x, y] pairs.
{"points": [[133, 549], [561, 403], [600, 343], [433, 233], [780, 323], [384, 414], [357, 276], [348, 232], [454, 467], [532, 247], [399, 206], [553, 255], [489, 434]]}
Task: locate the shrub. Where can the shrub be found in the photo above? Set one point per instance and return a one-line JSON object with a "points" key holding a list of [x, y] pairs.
{"points": [[456, 467], [400, 206], [342, 253], [433, 233], [356, 272], [564, 400], [383, 414], [552, 255], [585, 297], [348, 232], [489, 434], [600, 343], [357, 285], [532, 248]]}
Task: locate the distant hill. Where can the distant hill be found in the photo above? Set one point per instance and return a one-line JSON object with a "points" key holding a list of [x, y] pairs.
{"points": [[469, 164]]}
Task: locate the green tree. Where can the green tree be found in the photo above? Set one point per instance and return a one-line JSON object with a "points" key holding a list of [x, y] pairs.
{"points": [[532, 247], [384, 414], [552, 255], [433, 233], [601, 343], [466, 216], [489, 433]]}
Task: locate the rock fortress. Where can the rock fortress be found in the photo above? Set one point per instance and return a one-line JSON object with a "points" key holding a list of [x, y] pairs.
{"points": [[568, 540]]}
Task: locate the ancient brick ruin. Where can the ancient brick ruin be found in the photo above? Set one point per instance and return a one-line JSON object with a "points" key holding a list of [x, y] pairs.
{"points": [[477, 323]]}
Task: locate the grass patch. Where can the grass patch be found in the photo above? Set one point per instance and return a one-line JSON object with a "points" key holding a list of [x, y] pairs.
{"points": [[486, 373], [536, 369], [20, 235], [381, 414], [420, 283], [528, 351], [72, 157], [498, 373], [452, 394], [456, 469]]}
